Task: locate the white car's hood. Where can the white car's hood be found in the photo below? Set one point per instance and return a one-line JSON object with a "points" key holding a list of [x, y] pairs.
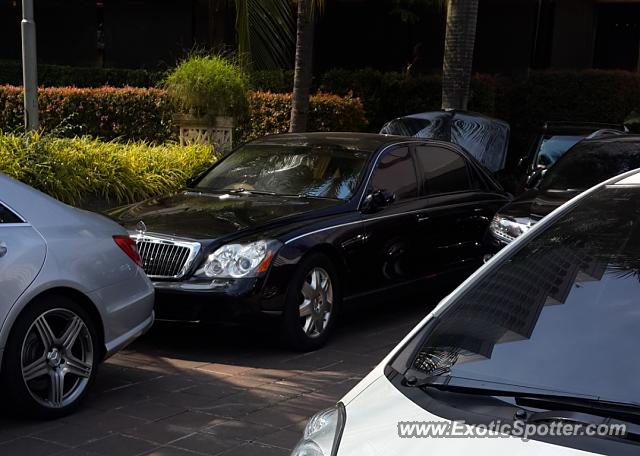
{"points": [[372, 430]]}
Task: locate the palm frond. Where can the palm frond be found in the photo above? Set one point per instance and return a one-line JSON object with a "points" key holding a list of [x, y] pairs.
{"points": [[265, 31], [317, 8]]}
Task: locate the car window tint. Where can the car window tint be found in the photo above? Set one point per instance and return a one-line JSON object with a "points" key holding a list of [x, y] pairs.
{"points": [[6, 216], [591, 162], [442, 170], [396, 174]]}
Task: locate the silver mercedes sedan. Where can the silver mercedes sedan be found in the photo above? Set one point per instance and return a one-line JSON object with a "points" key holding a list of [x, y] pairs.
{"points": [[72, 293]]}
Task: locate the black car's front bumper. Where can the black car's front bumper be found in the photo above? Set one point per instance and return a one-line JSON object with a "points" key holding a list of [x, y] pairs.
{"points": [[214, 300]]}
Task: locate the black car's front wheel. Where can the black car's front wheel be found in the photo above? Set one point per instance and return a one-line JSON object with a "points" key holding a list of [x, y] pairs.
{"points": [[313, 299]]}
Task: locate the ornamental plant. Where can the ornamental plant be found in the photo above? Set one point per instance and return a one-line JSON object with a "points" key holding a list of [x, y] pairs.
{"points": [[209, 85], [82, 169]]}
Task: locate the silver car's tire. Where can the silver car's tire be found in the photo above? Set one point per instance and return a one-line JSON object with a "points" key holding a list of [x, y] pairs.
{"points": [[51, 357]]}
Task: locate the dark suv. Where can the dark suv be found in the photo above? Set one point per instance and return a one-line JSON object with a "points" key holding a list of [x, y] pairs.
{"points": [[586, 164], [551, 142]]}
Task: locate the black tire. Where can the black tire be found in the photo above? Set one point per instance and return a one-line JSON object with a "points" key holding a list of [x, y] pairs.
{"points": [[292, 322], [56, 307]]}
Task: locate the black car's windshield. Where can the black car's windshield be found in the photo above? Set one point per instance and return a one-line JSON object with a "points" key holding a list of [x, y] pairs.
{"points": [[552, 147], [591, 162], [561, 314], [289, 170]]}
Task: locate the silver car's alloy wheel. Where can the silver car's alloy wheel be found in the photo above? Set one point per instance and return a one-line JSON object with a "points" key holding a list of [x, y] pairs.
{"points": [[57, 358], [317, 302]]}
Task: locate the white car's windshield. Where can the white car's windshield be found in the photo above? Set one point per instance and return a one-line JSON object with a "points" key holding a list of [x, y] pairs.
{"points": [[561, 314]]}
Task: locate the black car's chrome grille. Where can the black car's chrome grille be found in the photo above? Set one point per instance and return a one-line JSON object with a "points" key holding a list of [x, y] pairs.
{"points": [[165, 258]]}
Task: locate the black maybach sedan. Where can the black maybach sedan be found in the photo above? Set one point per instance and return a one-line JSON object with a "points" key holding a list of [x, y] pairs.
{"points": [[296, 225]]}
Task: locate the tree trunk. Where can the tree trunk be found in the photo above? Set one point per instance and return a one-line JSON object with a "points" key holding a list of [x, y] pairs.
{"points": [[303, 70], [459, 42]]}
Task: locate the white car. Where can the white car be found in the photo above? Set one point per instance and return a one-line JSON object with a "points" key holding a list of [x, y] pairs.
{"points": [[535, 354], [72, 292]]}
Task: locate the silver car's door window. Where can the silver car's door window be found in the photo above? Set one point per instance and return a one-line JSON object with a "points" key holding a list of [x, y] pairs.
{"points": [[7, 216], [22, 253]]}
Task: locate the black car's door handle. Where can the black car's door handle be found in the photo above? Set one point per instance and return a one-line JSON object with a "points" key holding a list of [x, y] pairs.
{"points": [[422, 218], [359, 239]]}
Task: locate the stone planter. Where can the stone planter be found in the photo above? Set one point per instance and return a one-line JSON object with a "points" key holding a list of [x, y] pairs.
{"points": [[216, 131]]}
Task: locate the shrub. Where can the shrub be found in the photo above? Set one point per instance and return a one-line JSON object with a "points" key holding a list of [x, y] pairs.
{"points": [[387, 95], [276, 81], [147, 114], [270, 113], [593, 95], [107, 113], [79, 169], [209, 85], [63, 76]]}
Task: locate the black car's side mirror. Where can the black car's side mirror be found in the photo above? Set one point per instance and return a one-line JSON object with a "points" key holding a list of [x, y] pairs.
{"points": [[191, 181], [377, 200]]}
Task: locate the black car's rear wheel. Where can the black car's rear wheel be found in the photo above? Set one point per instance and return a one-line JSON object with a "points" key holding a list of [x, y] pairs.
{"points": [[51, 358], [313, 299]]}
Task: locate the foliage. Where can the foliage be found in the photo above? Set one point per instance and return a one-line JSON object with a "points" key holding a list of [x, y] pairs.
{"points": [[61, 76], [387, 95], [212, 85], [593, 95], [410, 11], [146, 114], [264, 31], [277, 81], [271, 113], [107, 113], [74, 169]]}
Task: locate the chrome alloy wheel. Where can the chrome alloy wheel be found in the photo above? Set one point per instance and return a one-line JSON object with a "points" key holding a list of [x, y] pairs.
{"points": [[317, 302], [57, 358]]}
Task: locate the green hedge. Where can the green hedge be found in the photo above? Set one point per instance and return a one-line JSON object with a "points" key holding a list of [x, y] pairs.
{"points": [[270, 114], [83, 170], [146, 114], [606, 96], [387, 95], [63, 76], [107, 113], [276, 81], [593, 95]]}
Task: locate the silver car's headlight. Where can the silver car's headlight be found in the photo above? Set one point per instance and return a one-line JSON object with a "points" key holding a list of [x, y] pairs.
{"points": [[233, 261], [322, 434], [509, 228]]}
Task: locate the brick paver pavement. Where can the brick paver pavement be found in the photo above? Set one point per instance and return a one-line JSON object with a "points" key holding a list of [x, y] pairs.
{"points": [[208, 390]]}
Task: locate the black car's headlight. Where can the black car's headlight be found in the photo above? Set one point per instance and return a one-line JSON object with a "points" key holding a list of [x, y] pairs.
{"points": [[323, 433], [509, 228], [233, 261]]}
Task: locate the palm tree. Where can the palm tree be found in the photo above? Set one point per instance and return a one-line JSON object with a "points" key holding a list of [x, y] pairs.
{"points": [[303, 76], [459, 44], [265, 39], [265, 33]]}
